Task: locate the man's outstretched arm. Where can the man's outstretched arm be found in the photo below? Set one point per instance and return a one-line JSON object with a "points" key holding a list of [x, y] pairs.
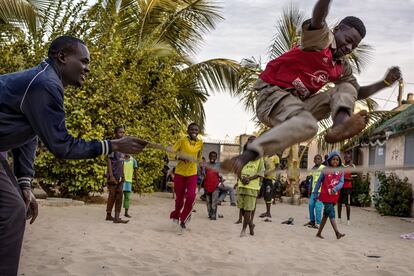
{"points": [[319, 14], [393, 75]]}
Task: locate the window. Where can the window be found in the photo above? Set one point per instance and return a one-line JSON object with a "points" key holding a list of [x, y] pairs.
{"points": [[409, 149]]}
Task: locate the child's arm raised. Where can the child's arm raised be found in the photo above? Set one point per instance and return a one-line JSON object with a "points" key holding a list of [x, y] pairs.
{"points": [[320, 11]]}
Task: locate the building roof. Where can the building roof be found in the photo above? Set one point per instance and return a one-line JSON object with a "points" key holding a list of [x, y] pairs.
{"points": [[402, 121]]}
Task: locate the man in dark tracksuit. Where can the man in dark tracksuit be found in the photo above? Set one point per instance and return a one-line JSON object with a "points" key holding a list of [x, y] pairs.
{"points": [[31, 106]]}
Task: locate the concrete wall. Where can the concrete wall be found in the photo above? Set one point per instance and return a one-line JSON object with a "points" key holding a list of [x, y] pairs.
{"points": [[394, 156], [312, 151], [228, 151]]}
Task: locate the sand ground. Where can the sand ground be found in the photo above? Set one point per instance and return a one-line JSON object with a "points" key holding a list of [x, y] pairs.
{"points": [[78, 241]]}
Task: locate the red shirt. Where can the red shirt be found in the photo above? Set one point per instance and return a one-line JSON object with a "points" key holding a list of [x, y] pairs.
{"points": [[211, 180], [330, 181], [305, 71], [348, 183]]}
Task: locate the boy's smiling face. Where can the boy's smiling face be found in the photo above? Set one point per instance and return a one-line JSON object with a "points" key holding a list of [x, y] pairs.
{"points": [[317, 160], [212, 157], [193, 131], [347, 39]]}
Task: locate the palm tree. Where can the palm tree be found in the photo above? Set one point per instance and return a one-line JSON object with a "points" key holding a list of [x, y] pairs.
{"points": [[174, 28], [162, 27], [24, 13]]}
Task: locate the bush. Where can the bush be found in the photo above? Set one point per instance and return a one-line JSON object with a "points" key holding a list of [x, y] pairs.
{"points": [[394, 197], [360, 192]]}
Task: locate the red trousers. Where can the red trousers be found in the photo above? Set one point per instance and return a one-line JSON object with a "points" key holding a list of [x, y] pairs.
{"points": [[185, 190]]}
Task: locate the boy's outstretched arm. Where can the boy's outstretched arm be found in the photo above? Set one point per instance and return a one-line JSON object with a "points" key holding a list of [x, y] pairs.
{"points": [[320, 11], [393, 75]]}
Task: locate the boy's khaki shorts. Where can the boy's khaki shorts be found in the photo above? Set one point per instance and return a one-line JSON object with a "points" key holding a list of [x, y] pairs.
{"points": [[275, 105], [246, 199], [293, 120]]}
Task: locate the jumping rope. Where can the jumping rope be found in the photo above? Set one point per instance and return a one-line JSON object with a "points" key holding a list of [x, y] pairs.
{"points": [[356, 169]]}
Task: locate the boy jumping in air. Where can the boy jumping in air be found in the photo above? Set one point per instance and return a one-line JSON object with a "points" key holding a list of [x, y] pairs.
{"points": [[288, 101]]}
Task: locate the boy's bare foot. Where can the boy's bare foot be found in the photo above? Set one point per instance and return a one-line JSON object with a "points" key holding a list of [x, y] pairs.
{"points": [[339, 235], [351, 127], [251, 229], [128, 216], [265, 215], [319, 236], [315, 226], [120, 221], [238, 222], [109, 217]]}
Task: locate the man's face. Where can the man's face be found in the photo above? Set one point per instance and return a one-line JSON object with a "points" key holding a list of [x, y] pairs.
{"points": [[347, 39], [317, 160], [347, 158], [334, 162], [119, 133], [193, 132], [213, 157], [75, 65]]}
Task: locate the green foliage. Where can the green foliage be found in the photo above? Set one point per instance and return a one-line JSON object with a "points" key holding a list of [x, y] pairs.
{"points": [[360, 192], [141, 77], [395, 195], [126, 87]]}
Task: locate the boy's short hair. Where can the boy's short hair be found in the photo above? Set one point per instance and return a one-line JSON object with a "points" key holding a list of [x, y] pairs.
{"points": [[192, 124], [117, 128], [212, 152], [355, 22]]}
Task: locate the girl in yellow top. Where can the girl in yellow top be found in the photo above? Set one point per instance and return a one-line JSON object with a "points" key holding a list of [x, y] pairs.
{"points": [[185, 179], [247, 191]]}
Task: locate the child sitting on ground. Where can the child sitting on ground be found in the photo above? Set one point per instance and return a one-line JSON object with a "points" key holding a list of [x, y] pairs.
{"points": [[332, 183]]}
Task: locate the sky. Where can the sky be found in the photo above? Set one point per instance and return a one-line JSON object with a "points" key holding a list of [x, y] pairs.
{"points": [[249, 27]]}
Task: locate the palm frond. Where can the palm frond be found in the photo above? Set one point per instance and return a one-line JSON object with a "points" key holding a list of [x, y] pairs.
{"points": [[216, 74], [376, 118], [250, 70], [360, 57], [287, 34], [369, 103], [190, 102], [186, 21], [18, 11], [25, 13]]}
